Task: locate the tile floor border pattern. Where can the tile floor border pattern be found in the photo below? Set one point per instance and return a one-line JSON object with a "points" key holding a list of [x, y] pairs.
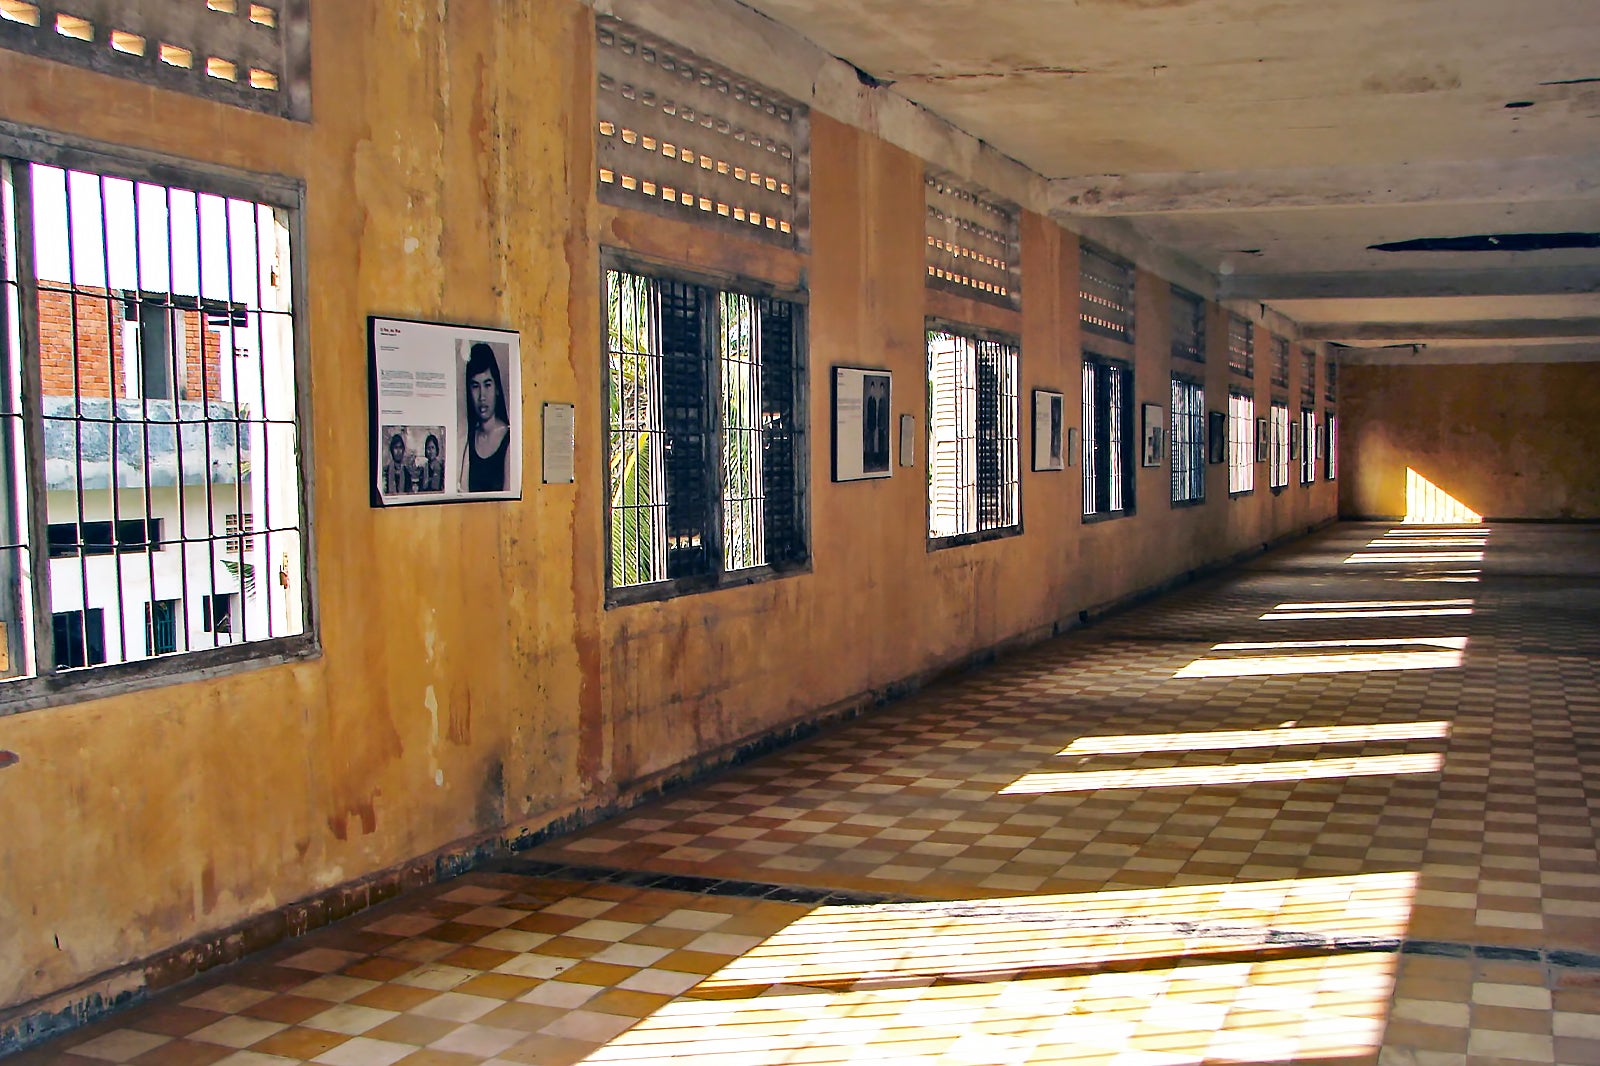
{"points": [[1274, 939]]}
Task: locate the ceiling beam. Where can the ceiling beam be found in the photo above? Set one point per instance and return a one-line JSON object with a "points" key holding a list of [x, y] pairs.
{"points": [[1500, 181], [1411, 284], [1433, 354], [1509, 329]]}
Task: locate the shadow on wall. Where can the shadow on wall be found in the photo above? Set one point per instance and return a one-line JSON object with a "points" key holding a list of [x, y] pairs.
{"points": [[1427, 503]]}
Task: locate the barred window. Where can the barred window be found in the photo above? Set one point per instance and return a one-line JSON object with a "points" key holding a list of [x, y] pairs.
{"points": [[705, 436], [1188, 447], [1330, 447], [972, 243], [1280, 362], [153, 327], [1309, 442], [1278, 467], [1107, 440], [973, 483], [1241, 443], [1188, 326], [239, 52], [1241, 345], [686, 138], [1308, 376], [1330, 380], [1105, 294]]}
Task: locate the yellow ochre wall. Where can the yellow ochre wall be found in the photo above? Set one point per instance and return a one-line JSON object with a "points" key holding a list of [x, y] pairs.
{"points": [[1508, 440], [471, 686]]}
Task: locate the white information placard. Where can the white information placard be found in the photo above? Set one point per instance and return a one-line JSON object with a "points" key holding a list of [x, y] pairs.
{"points": [[446, 412]]}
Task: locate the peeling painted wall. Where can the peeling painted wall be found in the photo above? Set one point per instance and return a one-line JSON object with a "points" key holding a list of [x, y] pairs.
{"points": [[1515, 440], [471, 681]]}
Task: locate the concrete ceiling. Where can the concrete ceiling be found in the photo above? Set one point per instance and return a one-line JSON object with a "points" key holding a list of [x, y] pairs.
{"points": [[1273, 141]]}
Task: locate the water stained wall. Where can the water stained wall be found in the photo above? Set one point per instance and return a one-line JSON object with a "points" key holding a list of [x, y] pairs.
{"points": [[471, 685]]}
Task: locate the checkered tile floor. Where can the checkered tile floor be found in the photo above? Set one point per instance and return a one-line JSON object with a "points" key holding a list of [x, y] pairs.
{"points": [[1336, 806]]}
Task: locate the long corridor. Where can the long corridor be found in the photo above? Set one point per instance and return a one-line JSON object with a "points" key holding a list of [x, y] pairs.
{"points": [[1338, 805]]}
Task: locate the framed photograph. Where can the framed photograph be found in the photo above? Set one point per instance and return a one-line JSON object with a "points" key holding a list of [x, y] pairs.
{"points": [[1153, 419], [1049, 430], [861, 418], [908, 440], [1073, 448], [1216, 437], [1294, 440], [446, 412], [1263, 441]]}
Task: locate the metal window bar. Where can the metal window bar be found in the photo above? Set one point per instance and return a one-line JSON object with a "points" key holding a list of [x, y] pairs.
{"points": [[253, 54], [685, 404], [1278, 471], [783, 432], [1091, 437], [1308, 375], [996, 417], [1105, 292], [744, 537], [1280, 362], [1241, 345], [1308, 446], [1118, 391], [1188, 326], [131, 434], [1330, 451], [1241, 443], [1188, 441], [952, 435], [636, 438]]}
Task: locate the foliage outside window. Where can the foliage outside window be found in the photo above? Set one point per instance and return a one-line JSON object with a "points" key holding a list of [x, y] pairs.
{"points": [[705, 437], [973, 484]]}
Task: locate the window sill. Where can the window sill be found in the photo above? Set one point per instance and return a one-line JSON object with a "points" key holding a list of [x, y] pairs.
{"points": [[80, 685], [1179, 505], [979, 537], [1107, 516], [673, 588]]}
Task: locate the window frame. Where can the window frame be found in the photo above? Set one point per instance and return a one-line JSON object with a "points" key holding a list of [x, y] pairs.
{"points": [[1128, 444], [978, 335], [1241, 447], [719, 577], [1280, 454], [1196, 444], [1330, 445], [51, 685], [1309, 442]]}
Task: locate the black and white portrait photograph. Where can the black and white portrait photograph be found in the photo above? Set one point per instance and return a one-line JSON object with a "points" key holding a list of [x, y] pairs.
{"points": [[446, 405], [862, 420], [1049, 430], [1155, 424]]}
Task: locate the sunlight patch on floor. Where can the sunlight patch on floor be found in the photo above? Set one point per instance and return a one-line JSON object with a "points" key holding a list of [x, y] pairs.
{"points": [[1174, 975]]}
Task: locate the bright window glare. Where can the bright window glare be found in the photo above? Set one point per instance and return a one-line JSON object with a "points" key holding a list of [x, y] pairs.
{"points": [[1224, 740], [1230, 774], [1428, 503]]}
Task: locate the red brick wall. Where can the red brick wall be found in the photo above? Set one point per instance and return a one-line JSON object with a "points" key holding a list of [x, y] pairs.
{"points": [[99, 347]]}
